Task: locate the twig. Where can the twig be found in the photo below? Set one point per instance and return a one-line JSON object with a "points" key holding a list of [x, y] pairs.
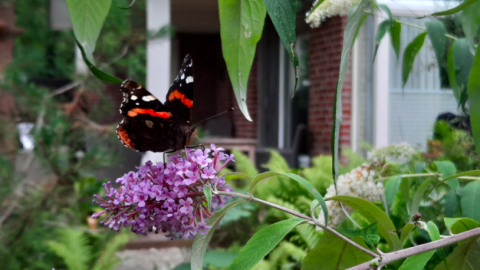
{"points": [[300, 215], [404, 253], [65, 88]]}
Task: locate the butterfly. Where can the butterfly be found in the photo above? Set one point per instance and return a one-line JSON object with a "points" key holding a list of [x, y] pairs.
{"points": [[150, 125]]}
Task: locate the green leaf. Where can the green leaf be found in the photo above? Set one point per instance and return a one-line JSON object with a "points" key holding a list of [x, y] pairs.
{"points": [[262, 243], [283, 14], [409, 56], [418, 195], [395, 32], [200, 243], [353, 24], [417, 262], [456, 9], [451, 203], [387, 10], [374, 215], [469, 19], [462, 59], [127, 7], [207, 190], [333, 253], [391, 189], [317, 4], [368, 234], [470, 200], [236, 175], [452, 79], [459, 225], [297, 178], [406, 232], [241, 25], [105, 77], [434, 234], [464, 256], [474, 97], [405, 189], [87, 18], [447, 169], [436, 33], [382, 30], [474, 172]]}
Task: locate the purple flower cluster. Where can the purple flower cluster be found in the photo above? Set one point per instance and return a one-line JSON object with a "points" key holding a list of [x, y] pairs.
{"points": [[167, 197]]}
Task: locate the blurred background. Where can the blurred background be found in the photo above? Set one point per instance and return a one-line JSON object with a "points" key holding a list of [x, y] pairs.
{"points": [[57, 130]]}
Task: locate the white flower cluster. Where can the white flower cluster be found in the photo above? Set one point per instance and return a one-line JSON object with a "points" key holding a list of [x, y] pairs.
{"points": [[396, 153], [327, 9], [357, 183]]}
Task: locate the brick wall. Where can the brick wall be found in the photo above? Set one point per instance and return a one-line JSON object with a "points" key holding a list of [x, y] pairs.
{"points": [[325, 50]]}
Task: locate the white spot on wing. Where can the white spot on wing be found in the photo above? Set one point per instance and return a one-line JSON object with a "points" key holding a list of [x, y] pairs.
{"points": [[134, 97], [183, 76], [137, 103], [120, 110], [148, 98], [189, 79]]}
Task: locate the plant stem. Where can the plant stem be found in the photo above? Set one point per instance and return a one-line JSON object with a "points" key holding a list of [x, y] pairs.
{"points": [[404, 253], [300, 215]]}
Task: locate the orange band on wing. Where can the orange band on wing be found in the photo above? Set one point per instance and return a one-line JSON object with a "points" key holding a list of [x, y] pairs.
{"points": [[134, 112], [123, 136], [177, 95]]}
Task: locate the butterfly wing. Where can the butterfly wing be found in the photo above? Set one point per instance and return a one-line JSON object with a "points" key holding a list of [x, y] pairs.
{"points": [[180, 95], [148, 124]]}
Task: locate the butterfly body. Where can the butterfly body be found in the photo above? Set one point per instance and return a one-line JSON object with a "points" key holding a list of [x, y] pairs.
{"points": [[150, 125]]}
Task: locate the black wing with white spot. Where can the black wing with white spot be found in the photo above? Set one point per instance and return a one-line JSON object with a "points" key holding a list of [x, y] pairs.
{"points": [[180, 95]]}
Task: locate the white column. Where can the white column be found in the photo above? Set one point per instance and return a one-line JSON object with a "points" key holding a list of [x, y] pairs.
{"points": [[382, 88], [158, 58]]}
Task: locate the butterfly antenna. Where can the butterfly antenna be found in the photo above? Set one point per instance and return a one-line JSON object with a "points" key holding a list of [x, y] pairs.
{"points": [[229, 110]]}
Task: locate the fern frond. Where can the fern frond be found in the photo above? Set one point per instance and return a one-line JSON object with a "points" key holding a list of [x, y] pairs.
{"points": [[108, 259], [73, 248], [243, 164], [308, 234], [297, 253], [283, 203], [277, 163]]}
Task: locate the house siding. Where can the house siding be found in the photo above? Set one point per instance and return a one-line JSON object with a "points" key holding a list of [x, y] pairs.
{"points": [[325, 53]]}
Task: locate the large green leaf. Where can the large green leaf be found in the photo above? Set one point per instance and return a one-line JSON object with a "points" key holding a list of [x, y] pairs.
{"points": [[207, 190], [381, 31], [462, 61], [459, 225], [395, 32], [469, 18], [241, 25], [262, 243], [417, 262], [409, 56], [374, 215], [87, 18], [333, 253], [418, 196], [300, 180], [405, 232], [474, 96], [464, 256], [368, 234], [451, 203], [452, 79], [283, 14], [105, 77], [434, 234], [391, 189], [201, 241], [353, 24], [470, 200], [456, 9], [436, 33], [447, 169]]}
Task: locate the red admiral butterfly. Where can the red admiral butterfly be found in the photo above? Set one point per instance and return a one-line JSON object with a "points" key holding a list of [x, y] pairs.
{"points": [[150, 125]]}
